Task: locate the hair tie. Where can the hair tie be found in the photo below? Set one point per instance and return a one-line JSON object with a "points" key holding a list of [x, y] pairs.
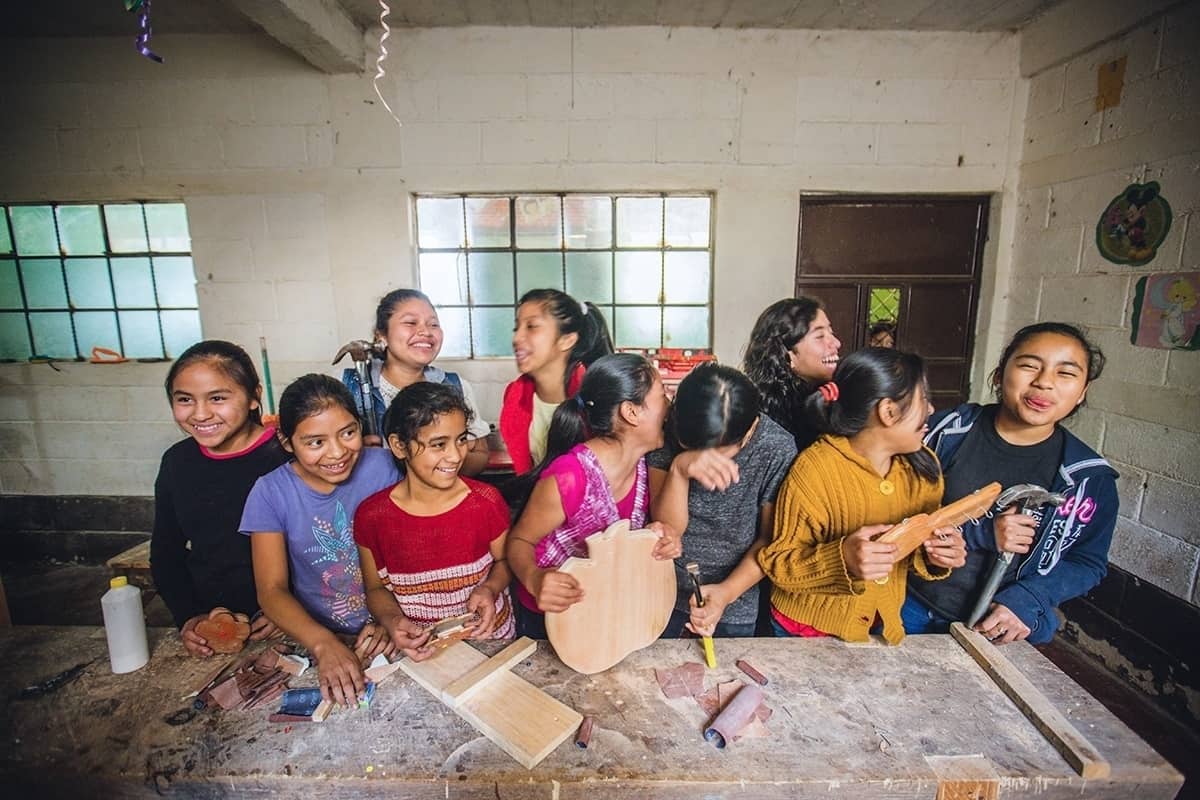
{"points": [[579, 401], [584, 307], [829, 391]]}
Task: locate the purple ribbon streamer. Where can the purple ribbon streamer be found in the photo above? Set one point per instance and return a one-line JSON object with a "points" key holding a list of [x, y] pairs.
{"points": [[142, 42]]}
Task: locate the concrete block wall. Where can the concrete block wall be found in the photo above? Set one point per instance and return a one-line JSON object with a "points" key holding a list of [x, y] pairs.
{"points": [[1142, 414]]}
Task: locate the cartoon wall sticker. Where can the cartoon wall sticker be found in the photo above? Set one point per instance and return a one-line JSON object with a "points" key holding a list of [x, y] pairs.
{"points": [[1133, 226], [1166, 311]]}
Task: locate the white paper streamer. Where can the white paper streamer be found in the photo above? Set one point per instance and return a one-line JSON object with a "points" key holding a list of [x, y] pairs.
{"points": [[384, 10]]}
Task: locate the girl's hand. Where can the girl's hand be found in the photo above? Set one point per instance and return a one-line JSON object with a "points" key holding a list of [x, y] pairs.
{"points": [[339, 672], [373, 640], [1014, 532], [555, 591], [193, 642], [704, 619], [410, 638], [483, 602], [866, 558], [946, 548], [669, 544], [711, 468], [261, 627], [1002, 626]]}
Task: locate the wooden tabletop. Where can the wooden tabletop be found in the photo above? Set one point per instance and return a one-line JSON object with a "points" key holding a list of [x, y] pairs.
{"points": [[859, 721]]}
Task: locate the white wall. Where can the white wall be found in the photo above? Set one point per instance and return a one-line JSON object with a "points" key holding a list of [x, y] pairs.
{"points": [[297, 184]]}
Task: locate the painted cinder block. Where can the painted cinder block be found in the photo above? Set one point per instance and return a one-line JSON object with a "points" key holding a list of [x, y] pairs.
{"points": [[1183, 370], [222, 260], [920, 144], [1050, 251], [1033, 208], [631, 50], [1078, 201], [709, 141], [294, 339], [98, 403], [297, 299], [1180, 178], [1181, 31], [265, 146], [612, 141], [213, 101], [19, 440], [593, 97], [436, 52], [100, 440], [440, 143], [292, 259], [1136, 365], [129, 104], [1087, 299], [835, 143], [113, 150], [194, 147], [1165, 561], [767, 137], [1170, 507], [290, 101], [1139, 48], [226, 217], [657, 96], [1149, 403], [548, 96], [1076, 126], [519, 142], [45, 105], [1169, 94], [1046, 92], [30, 151], [225, 304], [1159, 448], [481, 97], [292, 216], [1088, 424]]}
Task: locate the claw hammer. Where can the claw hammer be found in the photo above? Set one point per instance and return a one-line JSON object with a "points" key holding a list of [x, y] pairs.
{"points": [[360, 351]]}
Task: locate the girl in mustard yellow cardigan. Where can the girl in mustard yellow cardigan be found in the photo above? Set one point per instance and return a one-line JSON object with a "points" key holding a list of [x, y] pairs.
{"points": [[868, 472]]}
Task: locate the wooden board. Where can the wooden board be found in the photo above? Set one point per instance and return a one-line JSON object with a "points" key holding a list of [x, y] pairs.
{"points": [[628, 596], [521, 719], [1075, 748], [909, 534]]}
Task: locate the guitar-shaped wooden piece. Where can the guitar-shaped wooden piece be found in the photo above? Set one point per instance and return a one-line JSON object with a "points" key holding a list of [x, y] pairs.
{"points": [[909, 534], [628, 596]]}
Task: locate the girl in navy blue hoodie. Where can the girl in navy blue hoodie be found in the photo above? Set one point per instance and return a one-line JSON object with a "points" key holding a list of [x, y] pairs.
{"points": [[1042, 379]]}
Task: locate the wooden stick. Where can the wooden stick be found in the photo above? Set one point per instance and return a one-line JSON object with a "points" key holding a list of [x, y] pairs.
{"points": [[1073, 746], [464, 686]]}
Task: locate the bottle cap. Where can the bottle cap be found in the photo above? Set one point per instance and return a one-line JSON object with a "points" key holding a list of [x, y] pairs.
{"points": [[118, 582]]}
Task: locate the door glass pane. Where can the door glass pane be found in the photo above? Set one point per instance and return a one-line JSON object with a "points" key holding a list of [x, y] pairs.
{"points": [[440, 222], [457, 331], [491, 278], [126, 228], [589, 277], [168, 227], [175, 281], [5, 241], [685, 327], [687, 276], [96, 329], [539, 222], [883, 305], [131, 279], [487, 222], [88, 283], [43, 282], [638, 327], [687, 221], [588, 221], [492, 331], [444, 278], [639, 222], [10, 287], [639, 277], [80, 231], [14, 337], [139, 331], [539, 271], [52, 334], [33, 229], [180, 330]]}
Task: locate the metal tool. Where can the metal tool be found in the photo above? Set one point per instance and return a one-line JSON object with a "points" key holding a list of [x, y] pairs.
{"points": [[710, 656], [360, 351], [1028, 498]]}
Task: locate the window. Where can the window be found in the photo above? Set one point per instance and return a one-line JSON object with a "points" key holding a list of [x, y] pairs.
{"points": [[644, 259], [74, 277]]}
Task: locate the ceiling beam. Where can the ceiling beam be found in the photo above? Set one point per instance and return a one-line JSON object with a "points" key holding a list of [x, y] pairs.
{"points": [[320, 31]]}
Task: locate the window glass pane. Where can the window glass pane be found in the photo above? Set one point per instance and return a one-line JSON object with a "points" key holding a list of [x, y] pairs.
{"points": [[444, 278], [14, 337], [491, 277], [589, 277], [639, 277], [33, 229], [139, 331], [588, 221], [10, 287], [96, 329], [884, 305], [52, 335], [126, 228], [180, 330], [487, 222], [88, 284], [131, 280], [43, 283], [539, 222], [440, 222], [685, 327], [539, 271], [492, 331], [5, 241], [687, 221], [638, 327], [687, 276], [639, 222], [175, 281], [168, 227], [457, 342], [79, 229]]}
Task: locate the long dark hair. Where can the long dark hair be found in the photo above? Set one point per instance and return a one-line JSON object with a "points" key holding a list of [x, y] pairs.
{"points": [[227, 358], [767, 363], [584, 319], [864, 378], [714, 406], [387, 306], [308, 396], [418, 405], [1095, 356]]}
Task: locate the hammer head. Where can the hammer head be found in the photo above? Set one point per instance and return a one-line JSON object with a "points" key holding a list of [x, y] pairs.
{"points": [[1027, 496], [359, 350]]}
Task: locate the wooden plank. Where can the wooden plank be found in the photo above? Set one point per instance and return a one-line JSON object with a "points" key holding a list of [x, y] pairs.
{"points": [[965, 777], [1072, 744], [136, 558], [464, 686]]}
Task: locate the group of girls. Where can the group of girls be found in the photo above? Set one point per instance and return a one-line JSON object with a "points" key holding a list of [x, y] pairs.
{"points": [[788, 471]]}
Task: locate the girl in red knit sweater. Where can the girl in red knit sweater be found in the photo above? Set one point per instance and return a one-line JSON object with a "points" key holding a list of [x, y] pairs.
{"points": [[432, 546]]}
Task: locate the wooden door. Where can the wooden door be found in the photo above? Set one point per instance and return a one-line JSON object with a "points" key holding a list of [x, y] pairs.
{"points": [[912, 260]]}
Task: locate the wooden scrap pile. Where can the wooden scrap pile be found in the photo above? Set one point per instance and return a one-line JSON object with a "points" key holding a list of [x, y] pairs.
{"points": [[253, 680]]}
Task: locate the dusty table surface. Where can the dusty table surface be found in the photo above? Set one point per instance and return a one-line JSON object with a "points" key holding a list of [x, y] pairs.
{"points": [[861, 721]]}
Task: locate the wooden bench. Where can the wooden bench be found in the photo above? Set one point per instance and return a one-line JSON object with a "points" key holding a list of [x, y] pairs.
{"points": [[134, 564]]}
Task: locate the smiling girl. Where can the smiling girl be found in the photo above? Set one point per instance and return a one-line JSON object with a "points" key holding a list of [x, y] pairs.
{"points": [[300, 521]]}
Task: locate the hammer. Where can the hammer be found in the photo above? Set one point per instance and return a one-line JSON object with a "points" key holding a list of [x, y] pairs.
{"points": [[1028, 498], [360, 351]]}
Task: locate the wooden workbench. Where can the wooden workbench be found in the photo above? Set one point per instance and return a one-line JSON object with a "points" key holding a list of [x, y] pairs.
{"points": [[857, 721]]}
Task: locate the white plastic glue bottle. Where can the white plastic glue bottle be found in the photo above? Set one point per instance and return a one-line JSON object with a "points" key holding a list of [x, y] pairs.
{"points": [[124, 626]]}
